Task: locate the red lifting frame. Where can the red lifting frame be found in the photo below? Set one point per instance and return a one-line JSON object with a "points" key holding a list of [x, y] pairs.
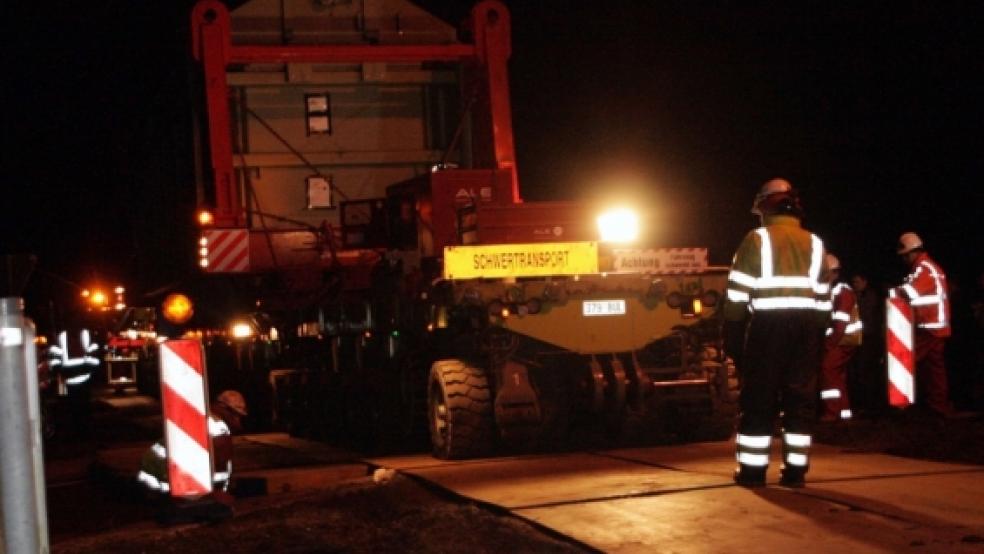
{"points": [[212, 47]]}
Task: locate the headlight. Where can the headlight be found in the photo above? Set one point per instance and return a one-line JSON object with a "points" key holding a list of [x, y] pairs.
{"points": [[618, 225]]}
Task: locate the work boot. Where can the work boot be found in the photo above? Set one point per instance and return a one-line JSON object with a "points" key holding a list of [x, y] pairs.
{"points": [[750, 477], [792, 478]]}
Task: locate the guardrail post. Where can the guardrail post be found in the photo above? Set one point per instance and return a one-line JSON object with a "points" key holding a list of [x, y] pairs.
{"points": [[25, 520]]}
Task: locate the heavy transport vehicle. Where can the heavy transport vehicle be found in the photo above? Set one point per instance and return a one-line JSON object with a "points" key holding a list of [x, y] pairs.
{"points": [[358, 179]]}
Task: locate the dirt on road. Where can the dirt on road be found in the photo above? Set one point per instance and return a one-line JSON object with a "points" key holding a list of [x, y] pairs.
{"points": [[400, 515]]}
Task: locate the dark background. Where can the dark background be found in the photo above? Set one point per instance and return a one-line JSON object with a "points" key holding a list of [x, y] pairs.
{"points": [[872, 109]]}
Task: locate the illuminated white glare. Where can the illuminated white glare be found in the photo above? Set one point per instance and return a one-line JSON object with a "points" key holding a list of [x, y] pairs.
{"points": [[203, 262], [241, 330], [203, 252], [618, 225], [203, 241]]}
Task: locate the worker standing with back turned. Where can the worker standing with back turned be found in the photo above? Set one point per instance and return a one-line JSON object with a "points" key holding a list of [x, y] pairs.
{"points": [[776, 312]]}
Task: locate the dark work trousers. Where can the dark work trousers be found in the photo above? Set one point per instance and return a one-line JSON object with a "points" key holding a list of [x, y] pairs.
{"points": [[779, 372], [79, 401], [931, 375]]}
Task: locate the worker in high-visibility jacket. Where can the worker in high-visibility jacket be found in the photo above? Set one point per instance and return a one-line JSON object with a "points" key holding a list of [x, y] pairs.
{"points": [[925, 289], [843, 339], [225, 419], [777, 307], [73, 359]]}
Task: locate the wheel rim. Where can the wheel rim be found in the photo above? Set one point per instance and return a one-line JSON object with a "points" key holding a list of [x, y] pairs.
{"points": [[439, 416]]}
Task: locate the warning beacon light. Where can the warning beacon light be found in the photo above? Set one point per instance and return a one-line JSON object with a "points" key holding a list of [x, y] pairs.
{"points": [[205, 218], [177, 308], [618, 225]]}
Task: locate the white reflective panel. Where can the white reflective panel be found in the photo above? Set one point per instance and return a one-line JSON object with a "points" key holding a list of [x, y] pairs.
{"points": [[910, 291], [758, 460], [846, 414], [926, 300], [77, 380], [797, 439], [152, 482], [796, 459], [840, 316], [830, 394], [754, 441], [789, 303], [217, 427], [766, 253], [738, 296], [781, 282], [816, 257], [741, 278]]}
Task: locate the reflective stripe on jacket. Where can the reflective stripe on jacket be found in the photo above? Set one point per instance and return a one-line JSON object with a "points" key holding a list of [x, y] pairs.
{"points": [[777, 267], [926, 291], [845, 320], [73, 357]]}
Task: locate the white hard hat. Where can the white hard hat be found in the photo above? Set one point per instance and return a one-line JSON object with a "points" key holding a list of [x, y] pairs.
{"points": [[908, 242], [833, 263], [773, 186], [233, 400]]}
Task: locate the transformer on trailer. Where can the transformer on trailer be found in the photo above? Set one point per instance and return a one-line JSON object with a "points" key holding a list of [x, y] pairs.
{"points": [[359, 173]]}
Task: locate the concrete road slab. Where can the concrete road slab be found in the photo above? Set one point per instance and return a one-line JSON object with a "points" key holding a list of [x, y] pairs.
{"points": [[733, 519], [955, 498], [681, 499], [534, 481]]}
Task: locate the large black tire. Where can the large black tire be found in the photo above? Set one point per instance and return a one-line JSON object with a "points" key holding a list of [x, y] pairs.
{"points": [[459, 411]]}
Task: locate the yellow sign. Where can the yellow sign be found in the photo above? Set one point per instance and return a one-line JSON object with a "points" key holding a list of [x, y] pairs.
{"points": [[520, 260]]}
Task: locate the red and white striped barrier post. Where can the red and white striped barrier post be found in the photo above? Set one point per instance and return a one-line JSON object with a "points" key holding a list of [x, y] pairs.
{"points": [[184, 400], [900, 349]]}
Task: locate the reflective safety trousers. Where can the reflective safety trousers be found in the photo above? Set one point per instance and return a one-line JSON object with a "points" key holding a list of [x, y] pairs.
{"points": [[779, 376], [153, 472], [776, 268]]}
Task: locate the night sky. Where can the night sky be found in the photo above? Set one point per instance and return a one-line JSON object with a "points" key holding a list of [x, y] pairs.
{"points": [[873, 110]]}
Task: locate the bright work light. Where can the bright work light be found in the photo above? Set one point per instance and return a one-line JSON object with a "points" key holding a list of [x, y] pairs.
{"points": [[242, 330], [618, 225]]}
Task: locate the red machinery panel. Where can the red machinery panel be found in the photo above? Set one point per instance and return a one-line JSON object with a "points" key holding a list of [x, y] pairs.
{"points": [[536, 222]]}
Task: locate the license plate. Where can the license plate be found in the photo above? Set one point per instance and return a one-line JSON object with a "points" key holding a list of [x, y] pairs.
{"points": [[603, 307]]}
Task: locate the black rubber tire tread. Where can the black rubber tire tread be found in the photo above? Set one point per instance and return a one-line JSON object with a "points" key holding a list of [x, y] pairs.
{"points": [[468, 398]]}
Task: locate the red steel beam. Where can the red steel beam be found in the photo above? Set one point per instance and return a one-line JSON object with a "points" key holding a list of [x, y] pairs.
{"points": [[491, 28]]}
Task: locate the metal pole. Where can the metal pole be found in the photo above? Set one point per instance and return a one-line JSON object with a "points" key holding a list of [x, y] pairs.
{"points": [[25, 520]]}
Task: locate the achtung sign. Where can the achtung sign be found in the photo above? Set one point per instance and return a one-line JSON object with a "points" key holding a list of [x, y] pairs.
{"points": [[660, 260], [520, 260]]}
